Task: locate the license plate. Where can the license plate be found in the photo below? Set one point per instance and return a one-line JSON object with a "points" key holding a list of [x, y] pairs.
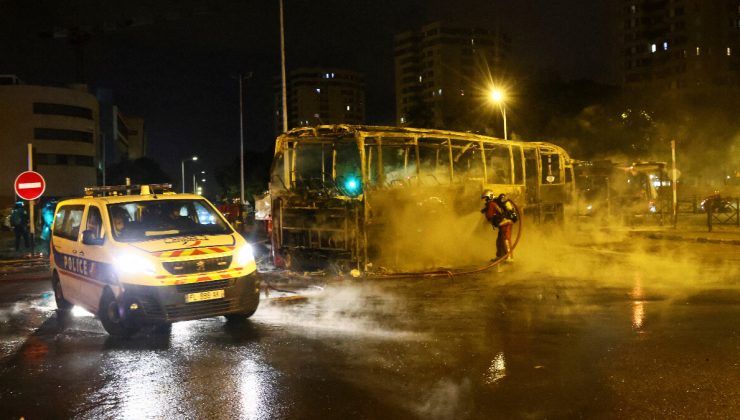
{"points": [[209, 295]]}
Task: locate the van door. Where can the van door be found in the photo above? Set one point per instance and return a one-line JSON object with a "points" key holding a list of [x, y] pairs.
{"points": [[65, 235], [91, 254]]}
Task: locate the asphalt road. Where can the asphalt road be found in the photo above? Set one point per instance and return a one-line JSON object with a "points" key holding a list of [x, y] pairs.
{"points": [[597, 329]]}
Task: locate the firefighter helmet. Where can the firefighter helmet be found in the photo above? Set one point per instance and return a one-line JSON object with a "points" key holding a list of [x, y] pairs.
{"points": [[488, 195]]}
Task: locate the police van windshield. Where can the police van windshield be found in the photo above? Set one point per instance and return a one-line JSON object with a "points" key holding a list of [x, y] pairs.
{"points": [[155, 219]]}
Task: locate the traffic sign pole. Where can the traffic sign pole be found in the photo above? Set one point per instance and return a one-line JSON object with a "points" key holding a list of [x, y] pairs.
{"points": [[32, 227]]}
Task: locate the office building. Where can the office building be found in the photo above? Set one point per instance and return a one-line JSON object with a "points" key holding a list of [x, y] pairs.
{"points": [[66, 126]]}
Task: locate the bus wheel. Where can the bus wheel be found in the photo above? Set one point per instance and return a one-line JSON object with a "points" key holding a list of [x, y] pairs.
{"points": [[111, 316], [63, 305]]}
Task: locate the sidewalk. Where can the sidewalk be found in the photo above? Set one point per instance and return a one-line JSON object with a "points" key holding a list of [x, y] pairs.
{"points": [[729, 235], [692, 227]]}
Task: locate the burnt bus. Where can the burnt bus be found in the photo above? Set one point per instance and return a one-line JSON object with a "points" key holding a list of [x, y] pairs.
{"points": [[380, 198]]}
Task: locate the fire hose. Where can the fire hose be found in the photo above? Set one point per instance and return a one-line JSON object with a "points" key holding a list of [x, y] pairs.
{"points": [[452, 273]]}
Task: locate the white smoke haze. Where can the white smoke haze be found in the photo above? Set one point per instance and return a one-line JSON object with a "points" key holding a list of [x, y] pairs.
{"points": [[342, 309], [446, 399]]}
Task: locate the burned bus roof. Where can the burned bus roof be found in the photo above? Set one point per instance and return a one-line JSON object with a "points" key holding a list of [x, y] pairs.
{"points": [[343, 130]]}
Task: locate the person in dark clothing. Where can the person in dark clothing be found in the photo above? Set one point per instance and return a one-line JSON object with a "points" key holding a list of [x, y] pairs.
{"points": [[500, 212], [19, 221]]}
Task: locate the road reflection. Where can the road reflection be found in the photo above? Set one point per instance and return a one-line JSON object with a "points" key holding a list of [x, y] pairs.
{"points": [[638, 303], [497, 370]]}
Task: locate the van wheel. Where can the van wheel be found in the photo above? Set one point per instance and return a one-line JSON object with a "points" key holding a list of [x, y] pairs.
{"points": [[164, 328], [111, 316], [241, 317], [63, 305]]}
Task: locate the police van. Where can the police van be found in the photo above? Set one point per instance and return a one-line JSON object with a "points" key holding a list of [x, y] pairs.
{"points": [[138, 255]]}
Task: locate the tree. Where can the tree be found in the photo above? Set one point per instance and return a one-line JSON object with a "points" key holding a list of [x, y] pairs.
{"points": [[140, 171], [256, 175]]}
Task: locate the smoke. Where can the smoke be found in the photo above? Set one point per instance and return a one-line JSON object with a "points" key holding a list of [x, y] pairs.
{"points": [[430, 231], [337, 309], [447, 400]]}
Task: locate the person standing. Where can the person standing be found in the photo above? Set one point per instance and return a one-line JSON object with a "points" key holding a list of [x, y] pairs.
{"points": [[19, 221], [500, 212]]}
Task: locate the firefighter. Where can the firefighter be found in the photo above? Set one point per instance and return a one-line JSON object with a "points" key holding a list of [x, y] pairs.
{"points": [[500, 212]]}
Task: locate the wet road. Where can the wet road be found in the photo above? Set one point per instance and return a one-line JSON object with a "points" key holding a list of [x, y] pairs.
{"points": [[606, 331]]}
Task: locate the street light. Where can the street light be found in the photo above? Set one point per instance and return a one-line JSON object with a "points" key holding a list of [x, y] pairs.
{"points": [[182, 163], [498, 97]]}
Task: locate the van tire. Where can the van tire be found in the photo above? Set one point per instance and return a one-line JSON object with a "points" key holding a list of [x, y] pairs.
{"points": [[165, 328], [241, 317], [63, 305], [111, 317]]}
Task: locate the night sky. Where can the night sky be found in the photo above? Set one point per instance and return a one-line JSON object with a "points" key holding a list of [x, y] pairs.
{"points": [[174, 62]]}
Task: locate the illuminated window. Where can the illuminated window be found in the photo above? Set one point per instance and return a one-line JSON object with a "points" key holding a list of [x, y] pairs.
{"points": [[633, 9], [403, 120], [653, 48], [420, 78], [729, 51], [439, 92], [348, 107], [318, 90], [698, 51], [665, 46]]}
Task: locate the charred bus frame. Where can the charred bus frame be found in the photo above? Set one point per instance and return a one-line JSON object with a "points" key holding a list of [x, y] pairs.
{"points": [[334, 187]]}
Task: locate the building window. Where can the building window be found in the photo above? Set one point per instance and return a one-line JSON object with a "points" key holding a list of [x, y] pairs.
{"points": [[665, 46], [698, 51], [349, 107], [653, 48], [729, 51], [60, 134], [65, 160], [44, 108], [318, 90]]}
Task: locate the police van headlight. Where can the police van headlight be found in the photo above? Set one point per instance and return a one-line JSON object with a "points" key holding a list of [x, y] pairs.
{"points": [[133, 264], [244, 256]]}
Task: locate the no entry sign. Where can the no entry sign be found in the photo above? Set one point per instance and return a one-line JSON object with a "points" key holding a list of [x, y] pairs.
{"points": [[29, 185]]}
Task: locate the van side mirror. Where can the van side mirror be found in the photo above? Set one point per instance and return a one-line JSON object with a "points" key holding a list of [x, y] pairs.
{"points": [[89, 238]]}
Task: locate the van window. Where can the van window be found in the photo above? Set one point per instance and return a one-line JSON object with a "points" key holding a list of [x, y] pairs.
{"points": [[94, 222], [156, 219], [67, 222]]}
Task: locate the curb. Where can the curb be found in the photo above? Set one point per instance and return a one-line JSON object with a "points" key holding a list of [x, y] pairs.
{"points": [[672, 237]]}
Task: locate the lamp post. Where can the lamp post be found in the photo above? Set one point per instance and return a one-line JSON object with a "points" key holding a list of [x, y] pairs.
{"points": [[182, 165], [498, 97]]}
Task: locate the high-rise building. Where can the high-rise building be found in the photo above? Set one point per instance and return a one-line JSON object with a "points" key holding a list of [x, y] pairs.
{"points": [[680, 44], [442, 70], [322, 96]]}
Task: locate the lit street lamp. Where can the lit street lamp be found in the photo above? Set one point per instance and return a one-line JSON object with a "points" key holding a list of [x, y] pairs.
{"points": [[498, 97], [182, 163]]}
